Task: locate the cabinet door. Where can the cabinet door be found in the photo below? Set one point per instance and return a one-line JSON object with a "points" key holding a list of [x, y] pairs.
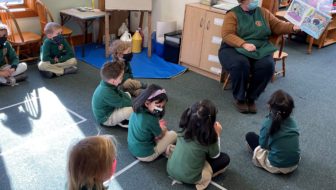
{"points": [[212, 39], [194, 20]]}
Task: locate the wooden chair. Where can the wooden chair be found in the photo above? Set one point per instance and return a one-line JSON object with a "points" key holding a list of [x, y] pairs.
{"points": [[22, 41], [271, 5], [278, 55], [45, 17]]}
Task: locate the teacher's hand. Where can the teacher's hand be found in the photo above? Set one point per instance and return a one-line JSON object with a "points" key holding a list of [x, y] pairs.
{"points": [[249, 47], [296, 28]]}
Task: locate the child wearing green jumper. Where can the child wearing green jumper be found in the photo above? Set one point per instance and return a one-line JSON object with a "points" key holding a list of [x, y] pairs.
{"points": [[277, 149], [11, 71], [148, 136], [57, 56], [197, 156], [110, 105], [122, 51]]}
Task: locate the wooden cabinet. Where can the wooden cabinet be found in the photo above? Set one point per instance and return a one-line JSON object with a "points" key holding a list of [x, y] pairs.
{"points": [[201, 39]]}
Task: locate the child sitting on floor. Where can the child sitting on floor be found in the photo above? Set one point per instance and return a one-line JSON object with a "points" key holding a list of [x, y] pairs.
{"points": [[277, 148], [92, 161], [148, 136], [11, 71], [57, 56], [110, 105], [121, 50], [197, 156]]}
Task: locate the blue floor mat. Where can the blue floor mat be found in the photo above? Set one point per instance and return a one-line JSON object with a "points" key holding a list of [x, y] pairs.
{"points": [[142, 66]]}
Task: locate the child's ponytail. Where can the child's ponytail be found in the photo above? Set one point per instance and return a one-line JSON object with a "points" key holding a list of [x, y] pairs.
{"points": [[185, 118], [197, 123], [281, 106]]}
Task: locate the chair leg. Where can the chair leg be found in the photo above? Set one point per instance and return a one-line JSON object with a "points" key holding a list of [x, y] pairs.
{"points": [[18, 51], [275, 72], [226, 81], [283, 67], [70, 40], [222, 76]]}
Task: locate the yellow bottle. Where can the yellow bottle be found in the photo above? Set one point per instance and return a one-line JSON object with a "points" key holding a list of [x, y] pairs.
{"points": [[136, 42]]}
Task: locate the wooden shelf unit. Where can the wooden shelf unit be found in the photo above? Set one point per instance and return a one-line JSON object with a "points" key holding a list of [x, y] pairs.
{"points": [[201, 39]]}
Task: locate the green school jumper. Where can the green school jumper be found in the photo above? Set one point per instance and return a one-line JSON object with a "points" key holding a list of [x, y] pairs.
{"points": [[50, 49], [187, 161], [143, 127], [106, 98], [8, 52], [283, 146], [128, 71], [253, 29]]}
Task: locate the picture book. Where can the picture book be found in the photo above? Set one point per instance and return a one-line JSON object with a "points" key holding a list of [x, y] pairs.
{"points": [[312, 16]]}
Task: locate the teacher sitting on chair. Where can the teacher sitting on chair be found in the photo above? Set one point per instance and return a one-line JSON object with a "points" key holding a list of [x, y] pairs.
{"points": [[246, 53]]}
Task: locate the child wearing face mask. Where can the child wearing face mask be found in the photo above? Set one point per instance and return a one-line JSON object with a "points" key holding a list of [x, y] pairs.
{"points": [[121, 51], [57, 56], [148, 136], [11, 71]]}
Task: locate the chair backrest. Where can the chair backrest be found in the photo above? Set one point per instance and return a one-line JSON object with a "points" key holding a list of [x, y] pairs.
{"points": [[44, 14], [271, 5], [278, 41], [8, 19]]}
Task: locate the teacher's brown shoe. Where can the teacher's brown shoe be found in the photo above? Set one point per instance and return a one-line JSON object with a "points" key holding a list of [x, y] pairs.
{"points": [[252, 108], [241, 106]]}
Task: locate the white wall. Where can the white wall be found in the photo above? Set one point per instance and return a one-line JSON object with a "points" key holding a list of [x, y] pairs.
{"points": [[167, 10], [162, 10], [32, 24]]}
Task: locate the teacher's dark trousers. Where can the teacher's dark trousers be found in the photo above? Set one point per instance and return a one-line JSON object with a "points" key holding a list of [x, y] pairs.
{"points": [[249, 77]]}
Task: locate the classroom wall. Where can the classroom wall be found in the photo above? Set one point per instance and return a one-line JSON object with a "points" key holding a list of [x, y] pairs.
{"points": [[166, 10], [32, 24], [162, 10]]}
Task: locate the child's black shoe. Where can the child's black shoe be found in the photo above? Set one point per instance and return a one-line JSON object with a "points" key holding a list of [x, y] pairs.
{"points": [[70, 70], [21, 77], [47, 74]]}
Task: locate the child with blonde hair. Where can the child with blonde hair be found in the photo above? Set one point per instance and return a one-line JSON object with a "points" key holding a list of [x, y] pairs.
{"points": [[91, 162], [57, 56], [121, 50], [11, 71]]}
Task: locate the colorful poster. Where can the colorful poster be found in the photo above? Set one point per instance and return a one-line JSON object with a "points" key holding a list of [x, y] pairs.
{"points": [[312, 16]]}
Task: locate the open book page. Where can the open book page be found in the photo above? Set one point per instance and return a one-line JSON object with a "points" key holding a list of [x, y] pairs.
{"points": [[305, 13], [297, 11], [315, 23]]}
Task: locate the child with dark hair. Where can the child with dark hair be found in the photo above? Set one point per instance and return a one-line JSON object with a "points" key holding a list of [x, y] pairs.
{"points": [[92, 161], [197, 157], [277, 148], [57, 56], [11, 71], [110, 105], [122, 51], [148, 136]]}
